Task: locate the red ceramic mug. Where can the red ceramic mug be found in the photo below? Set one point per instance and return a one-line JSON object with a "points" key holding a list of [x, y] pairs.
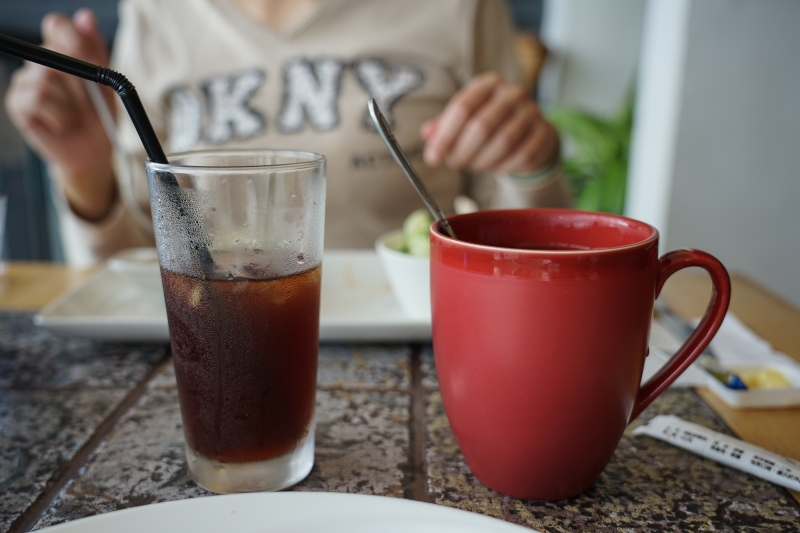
{"points": [[541, 320]]}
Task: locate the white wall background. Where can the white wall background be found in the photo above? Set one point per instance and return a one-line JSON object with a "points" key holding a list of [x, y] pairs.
{"points": [[594, 47], [659, 94], [715, 161], [736, 174]]}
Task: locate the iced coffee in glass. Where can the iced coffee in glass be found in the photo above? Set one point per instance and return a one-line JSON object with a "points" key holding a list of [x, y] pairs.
{"points": [[240, 238]]}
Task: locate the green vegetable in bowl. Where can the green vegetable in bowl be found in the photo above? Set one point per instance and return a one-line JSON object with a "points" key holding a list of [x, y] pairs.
{"points": [[415, 233], [419, 245]]}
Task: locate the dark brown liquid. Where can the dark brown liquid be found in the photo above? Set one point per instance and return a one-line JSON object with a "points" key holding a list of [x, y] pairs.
{"points": [[245, 357]]}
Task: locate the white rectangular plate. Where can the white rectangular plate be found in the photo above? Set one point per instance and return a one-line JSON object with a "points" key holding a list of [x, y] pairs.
{"points": [[357, 305]]}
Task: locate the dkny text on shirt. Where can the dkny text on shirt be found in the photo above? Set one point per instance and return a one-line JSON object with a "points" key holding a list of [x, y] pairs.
{"points": [[219, 110]]}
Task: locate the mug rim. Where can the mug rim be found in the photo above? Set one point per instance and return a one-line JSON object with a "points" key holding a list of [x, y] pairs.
{"points": [[436, 231]]}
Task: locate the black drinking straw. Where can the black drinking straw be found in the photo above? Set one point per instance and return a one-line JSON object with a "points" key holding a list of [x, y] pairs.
{"points": [[102, 75], [128, 95]]}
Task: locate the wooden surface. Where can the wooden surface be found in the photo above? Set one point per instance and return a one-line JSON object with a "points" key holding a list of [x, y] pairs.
{"points": [[32, 285], [777, 430]]}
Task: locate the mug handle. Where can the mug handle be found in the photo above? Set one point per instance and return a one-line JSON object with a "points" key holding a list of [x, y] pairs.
{"points": [[703, 333]]}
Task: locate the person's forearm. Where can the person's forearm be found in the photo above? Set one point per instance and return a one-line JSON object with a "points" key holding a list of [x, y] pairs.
{"points": [[90, 192]]}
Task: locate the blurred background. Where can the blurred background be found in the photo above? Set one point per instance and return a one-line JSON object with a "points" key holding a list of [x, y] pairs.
{"points": [[682, 113], [31, 231]]}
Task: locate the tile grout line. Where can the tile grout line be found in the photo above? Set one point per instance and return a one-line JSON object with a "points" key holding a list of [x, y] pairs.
{"points": [[418, 487], [63, 476], [363, 388]]}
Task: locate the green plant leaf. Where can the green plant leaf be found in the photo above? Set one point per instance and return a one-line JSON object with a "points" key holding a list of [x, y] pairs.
{"points": [[596, 155]]}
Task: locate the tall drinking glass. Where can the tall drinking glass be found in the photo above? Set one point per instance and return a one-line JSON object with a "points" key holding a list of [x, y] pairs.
{"points": [[239, 237]]}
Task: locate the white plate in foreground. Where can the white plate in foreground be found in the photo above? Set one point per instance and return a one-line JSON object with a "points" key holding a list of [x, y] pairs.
{"points": [[298, 512], [357, 305]]}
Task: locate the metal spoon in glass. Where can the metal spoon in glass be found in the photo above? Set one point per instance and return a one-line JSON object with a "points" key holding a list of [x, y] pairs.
{"points": [[391, 143]]}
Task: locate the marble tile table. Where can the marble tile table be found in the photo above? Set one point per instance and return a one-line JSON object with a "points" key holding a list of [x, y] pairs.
{"points": [[89, 427]]}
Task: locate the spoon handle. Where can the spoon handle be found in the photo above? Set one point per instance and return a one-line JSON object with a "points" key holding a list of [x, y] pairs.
{"points": [[394, 147]]}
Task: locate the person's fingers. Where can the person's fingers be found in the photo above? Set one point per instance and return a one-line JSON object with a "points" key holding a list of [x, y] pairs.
{"points": [[457, 111], [81, 40], [60, 35], [55, 105], [503, 103], [47, 115], [16, 94], [85, 22], [535, 151], [38, 96], [428, 128], [505, 140]]}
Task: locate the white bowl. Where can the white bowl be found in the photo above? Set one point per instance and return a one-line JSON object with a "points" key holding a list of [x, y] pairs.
{"points": [[409, 275], [139, 265]]}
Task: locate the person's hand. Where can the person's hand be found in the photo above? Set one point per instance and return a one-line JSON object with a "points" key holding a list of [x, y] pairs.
{"points": [[53, 112], [490, 125]]}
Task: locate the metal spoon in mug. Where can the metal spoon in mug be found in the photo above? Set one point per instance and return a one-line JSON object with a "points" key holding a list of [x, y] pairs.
{"points": [[391, 143]]}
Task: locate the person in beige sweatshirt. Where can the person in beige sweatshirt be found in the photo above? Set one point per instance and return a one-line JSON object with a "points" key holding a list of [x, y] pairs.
{"points": [[294, 74]]}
